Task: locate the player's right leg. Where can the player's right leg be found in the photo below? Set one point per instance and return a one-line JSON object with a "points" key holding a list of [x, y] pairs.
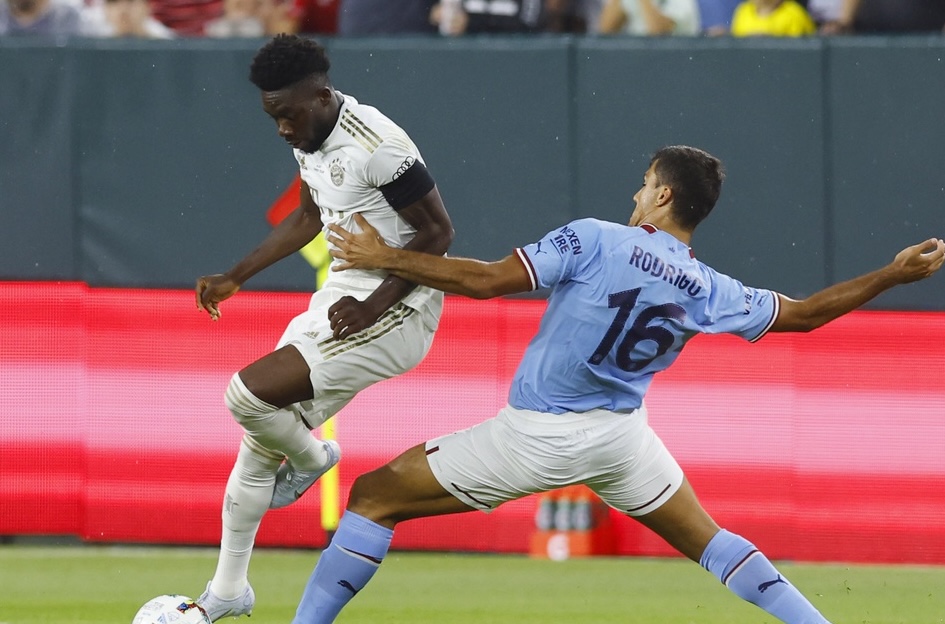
{"points": [[403, 489], [321, 374], [264, 398], [504, 458], [281, 397], [258, 397]]}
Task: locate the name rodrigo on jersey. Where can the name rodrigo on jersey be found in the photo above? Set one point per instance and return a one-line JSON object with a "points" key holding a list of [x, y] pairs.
{"points": [[657, 267]]}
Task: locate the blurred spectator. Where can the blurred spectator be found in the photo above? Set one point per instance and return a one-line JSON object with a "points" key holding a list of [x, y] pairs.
{"points": [[470, 17], [384, 17], [824, 11], [279, 16], [889, 16], [253, 18], [772, 18], [317, 16], [51, 18], [241, 18], [572, 16], [186, 17], [650, 17], [122, 18], [715, 16]]}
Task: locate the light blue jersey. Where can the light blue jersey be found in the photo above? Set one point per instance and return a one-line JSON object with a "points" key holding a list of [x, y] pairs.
{"points": [[624, 302]]}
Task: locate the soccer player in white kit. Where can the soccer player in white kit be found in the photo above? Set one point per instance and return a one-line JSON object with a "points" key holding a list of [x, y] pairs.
{"points": [[363, 326], [624, 300]]}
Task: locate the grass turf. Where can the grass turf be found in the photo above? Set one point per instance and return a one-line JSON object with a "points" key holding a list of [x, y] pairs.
{"points": [[107, 584]]}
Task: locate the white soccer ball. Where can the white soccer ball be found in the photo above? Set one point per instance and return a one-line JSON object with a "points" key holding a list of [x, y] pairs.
{"points": [[171, 609]]}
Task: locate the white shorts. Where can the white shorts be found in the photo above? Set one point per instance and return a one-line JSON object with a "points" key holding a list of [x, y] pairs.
{"points": [[520, 452], [340, 369]]}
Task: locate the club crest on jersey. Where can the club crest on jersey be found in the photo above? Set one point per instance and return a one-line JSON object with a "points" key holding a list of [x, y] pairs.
{"points": [[337, 172]]}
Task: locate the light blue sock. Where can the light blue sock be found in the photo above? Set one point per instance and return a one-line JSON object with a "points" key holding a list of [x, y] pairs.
{"points": [[344, 568], [747, 572]]}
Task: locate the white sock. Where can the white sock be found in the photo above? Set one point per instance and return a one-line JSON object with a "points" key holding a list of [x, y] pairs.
{"points": [[248, 493], [276, 429]]}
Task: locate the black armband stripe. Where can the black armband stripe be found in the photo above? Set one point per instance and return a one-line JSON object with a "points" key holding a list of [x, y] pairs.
{"points": [[410, 186]]}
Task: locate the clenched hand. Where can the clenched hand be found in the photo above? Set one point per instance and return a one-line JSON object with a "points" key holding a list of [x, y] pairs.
{"points": [[211, 290]]}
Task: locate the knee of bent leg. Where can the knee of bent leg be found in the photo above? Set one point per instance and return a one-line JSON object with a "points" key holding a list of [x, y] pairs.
{"points": [[243, 404], [369, 497]]}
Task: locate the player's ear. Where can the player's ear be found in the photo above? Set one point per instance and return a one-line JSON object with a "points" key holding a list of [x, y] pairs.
{"points": [[323, 95], [665, 196]]}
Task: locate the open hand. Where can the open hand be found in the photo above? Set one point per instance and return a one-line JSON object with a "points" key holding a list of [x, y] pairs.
{"points": [[364, 250], [920, 261]]}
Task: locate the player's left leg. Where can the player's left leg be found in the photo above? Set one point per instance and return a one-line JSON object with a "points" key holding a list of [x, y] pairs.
{"points": [[403, 489], [735, 561], [641, 478], [246, 499]]}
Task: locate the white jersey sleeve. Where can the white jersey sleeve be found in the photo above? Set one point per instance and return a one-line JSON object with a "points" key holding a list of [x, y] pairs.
{"points": [[390, 160], [396, 169]]}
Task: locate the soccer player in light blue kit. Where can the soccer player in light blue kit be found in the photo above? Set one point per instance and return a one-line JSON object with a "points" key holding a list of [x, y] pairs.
{"points": [[624, 301]]}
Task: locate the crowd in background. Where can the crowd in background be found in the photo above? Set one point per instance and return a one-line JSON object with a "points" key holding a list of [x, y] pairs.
{"points": [[165, 19]]}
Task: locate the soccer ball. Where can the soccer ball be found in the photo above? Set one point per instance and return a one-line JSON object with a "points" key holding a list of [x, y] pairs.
{"points": [[171, 609]]}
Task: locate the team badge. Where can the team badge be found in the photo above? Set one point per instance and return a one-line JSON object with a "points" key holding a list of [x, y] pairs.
{"points": [[337, 172]]}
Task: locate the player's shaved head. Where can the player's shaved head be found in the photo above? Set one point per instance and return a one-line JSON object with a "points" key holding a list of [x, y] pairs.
{"points": [[286, 60], [695, 176]]}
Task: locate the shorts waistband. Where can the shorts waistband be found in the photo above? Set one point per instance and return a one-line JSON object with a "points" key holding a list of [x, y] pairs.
{"points": [[567, 421]]}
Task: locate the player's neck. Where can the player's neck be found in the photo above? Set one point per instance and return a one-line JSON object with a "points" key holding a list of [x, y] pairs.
{"points": [[670, 227]]}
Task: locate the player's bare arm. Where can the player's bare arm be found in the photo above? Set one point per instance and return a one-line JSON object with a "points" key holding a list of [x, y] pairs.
{"points": [[461, 276], [293, 233], [434, 235], [910, 265]]}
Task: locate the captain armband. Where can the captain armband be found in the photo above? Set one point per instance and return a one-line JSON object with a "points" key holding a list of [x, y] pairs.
{"points": [[411, 183]]}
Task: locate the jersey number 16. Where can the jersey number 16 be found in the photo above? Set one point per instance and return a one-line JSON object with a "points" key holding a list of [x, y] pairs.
{"points": [[639, 330]]}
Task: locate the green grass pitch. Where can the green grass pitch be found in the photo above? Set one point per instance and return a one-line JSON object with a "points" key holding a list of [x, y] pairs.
{"points": [[107, 584]]}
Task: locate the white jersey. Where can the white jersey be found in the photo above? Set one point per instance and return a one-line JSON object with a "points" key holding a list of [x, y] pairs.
{"points": [[367, 165]]}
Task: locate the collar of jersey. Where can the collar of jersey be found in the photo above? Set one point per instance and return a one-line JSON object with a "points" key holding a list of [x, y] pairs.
{"points": [[333, 137], [649, 228]]}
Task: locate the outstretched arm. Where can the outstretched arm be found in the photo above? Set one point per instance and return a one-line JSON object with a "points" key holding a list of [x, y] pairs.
{"points": [[462, 276], [293, 233], [910, 265]]}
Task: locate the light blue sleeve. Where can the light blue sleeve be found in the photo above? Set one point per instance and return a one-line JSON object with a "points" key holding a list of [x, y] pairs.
{"points": [[734, 308], [561, 253]]}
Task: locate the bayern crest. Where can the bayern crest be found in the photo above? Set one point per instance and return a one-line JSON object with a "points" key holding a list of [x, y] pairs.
{"points": [[337, 172]]}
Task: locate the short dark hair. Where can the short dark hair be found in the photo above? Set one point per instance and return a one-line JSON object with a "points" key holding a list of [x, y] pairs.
{"points": [[696, 179], [285, 60]]}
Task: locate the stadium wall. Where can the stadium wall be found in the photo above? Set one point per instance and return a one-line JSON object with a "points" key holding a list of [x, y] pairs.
{"points": [[138, 165], [817, 447], [143, 164]]}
